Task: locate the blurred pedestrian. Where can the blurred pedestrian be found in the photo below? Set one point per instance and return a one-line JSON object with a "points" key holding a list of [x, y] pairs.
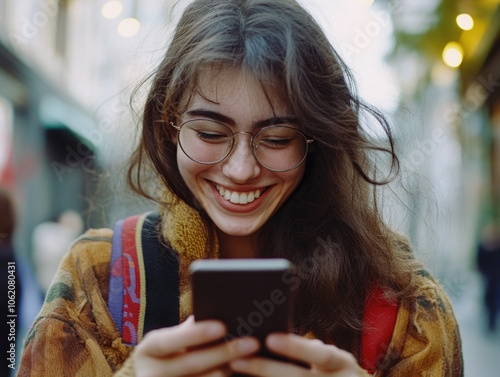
{"points": [[488, 262], [51, 240], [10, 285]]}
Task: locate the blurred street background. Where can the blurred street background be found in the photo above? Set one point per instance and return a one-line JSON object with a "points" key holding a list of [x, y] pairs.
{"points": [[67, 125]]}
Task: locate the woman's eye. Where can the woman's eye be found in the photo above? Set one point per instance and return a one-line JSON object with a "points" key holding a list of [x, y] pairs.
{"points": [[211, 136], [274, 142]]}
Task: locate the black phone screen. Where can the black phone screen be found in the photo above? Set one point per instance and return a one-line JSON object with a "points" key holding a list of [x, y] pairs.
{"points": [[251, 296]]}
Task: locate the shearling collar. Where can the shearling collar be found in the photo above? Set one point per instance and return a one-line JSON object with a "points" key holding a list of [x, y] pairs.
{"points": [[186, 232], [183, 227]]}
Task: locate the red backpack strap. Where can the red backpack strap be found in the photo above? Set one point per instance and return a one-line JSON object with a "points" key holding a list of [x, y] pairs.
{"points": [[379, 319], [127, 285], [139, 254]]}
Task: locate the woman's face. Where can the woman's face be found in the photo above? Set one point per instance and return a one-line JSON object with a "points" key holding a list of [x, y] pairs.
{"points": [[239, 100]]}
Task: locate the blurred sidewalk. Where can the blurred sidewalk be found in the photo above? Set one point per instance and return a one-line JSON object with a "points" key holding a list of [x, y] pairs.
{"points": [[481, 349]]}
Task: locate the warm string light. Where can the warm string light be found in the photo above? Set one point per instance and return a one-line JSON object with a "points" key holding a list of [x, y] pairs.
{"points": [[112, 9], [453, 54], [127, 27], [465, 21]]}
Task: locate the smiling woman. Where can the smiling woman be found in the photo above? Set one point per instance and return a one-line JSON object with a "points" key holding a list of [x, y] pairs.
{"points": [[254, 133]]}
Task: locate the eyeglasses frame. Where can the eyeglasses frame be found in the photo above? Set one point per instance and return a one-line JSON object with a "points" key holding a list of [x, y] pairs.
{"points": [[253, 135]]}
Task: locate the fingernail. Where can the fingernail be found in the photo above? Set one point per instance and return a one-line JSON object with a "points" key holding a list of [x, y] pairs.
{"points": [[246, 345], [239, 364], [276, 341]]}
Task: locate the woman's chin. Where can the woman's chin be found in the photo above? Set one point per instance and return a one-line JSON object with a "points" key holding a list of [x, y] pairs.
{"points": [[237, 231]]}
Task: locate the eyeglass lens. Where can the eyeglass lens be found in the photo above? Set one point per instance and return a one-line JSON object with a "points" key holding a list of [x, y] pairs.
{"points": [[278, 148]]}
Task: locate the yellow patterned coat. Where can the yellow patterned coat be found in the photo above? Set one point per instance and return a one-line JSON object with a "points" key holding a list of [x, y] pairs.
{"points": [[75, 336]]}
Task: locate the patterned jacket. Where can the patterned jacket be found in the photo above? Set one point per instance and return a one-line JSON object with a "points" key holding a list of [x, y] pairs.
{"points": [[75, 335]]}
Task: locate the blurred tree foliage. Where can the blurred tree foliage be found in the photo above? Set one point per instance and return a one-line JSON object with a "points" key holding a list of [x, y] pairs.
{"points": [[429, 43]]}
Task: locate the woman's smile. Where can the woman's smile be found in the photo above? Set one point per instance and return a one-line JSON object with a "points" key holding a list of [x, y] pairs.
{"points": [[240, 200], [238, 197]]}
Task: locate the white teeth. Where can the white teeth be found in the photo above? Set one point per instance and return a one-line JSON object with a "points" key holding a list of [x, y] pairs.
{"points": [[235, 198], [243, 198], [238, 197]]}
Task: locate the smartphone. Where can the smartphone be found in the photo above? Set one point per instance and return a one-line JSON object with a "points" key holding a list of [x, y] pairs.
{"points": [[251, 296]]}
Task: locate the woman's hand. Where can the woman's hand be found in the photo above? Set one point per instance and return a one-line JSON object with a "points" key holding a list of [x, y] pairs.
{"points": [[323, 359], [189, 350]]}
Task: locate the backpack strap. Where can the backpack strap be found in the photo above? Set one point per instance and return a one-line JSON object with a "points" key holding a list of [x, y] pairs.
{"points": [[379, 319], [140, 255]]}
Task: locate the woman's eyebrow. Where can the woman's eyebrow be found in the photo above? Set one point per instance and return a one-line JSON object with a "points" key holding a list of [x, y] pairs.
{"points": [[274, 121], [211, 115], [214, 115]]}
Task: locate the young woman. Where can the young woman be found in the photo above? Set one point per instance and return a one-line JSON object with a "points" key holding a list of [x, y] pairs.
{"points": [[253, 128]]}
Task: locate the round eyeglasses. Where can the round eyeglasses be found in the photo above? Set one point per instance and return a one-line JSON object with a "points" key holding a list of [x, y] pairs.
{"points": [[278, 148]]}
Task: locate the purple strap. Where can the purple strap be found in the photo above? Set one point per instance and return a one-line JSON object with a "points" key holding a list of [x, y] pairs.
{"points": [[115, 294]]}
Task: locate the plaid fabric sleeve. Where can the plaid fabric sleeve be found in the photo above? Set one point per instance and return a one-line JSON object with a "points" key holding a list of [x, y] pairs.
{"points": [[74, 334]]}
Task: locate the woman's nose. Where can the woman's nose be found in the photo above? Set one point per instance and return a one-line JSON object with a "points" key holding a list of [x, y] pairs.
{"points": [[241, 165]]}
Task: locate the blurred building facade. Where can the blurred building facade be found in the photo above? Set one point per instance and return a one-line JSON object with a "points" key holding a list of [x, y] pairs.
{"points": [[480, 93], [448, 130], [43, 158], [65, 73]]}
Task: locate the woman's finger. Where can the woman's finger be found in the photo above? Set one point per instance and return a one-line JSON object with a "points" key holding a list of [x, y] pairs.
{"points": [[263, 367], [166, 341], [311, 351], [212, 357]]}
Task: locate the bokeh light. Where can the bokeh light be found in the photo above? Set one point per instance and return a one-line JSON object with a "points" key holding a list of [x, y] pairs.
{"points": [[129, 27], [112, 9], [453, 54], [465, 21]]}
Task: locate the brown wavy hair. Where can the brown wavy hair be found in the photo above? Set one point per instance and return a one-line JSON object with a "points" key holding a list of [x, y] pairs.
{"points": [[330, 226]]}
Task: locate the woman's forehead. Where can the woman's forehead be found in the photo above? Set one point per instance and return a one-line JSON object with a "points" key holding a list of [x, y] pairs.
{"points": [[219, 85]]}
